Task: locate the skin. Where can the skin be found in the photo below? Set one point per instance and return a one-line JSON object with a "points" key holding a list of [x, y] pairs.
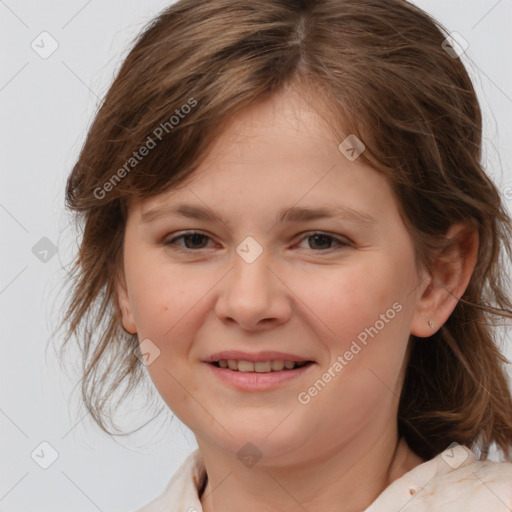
{"points": [[302, 295]]}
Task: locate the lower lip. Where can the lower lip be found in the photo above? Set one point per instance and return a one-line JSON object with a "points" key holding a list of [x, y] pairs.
{"points": [[254, 381]]}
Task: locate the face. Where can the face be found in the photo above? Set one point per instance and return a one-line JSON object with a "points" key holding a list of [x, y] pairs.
{"points": [[340, 290]]}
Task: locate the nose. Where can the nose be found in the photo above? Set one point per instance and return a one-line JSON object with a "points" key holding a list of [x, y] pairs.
{"points": [[253, 295]]}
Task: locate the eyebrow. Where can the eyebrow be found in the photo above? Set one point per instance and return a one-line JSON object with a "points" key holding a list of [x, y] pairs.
{"points": [[292, 214]]}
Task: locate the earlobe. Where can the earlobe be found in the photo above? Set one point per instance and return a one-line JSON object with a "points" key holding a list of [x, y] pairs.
{"points": [[450, 275], [123, 302]]}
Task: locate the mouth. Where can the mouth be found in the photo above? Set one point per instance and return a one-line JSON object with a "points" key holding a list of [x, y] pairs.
{"points": [[270, 366], [258, 376]]}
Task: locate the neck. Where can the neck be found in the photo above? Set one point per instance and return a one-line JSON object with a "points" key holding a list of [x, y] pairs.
{"points": [[348, 478]]}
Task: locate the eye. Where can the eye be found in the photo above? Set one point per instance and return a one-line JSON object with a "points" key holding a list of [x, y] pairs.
{"points": [[196, 240], [325, 241], [192, 240]]}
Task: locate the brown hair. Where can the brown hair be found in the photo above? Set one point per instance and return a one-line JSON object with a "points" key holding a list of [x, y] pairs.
{"points": [[382, 72]]}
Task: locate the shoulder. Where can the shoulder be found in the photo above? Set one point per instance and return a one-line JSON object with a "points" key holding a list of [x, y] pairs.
{"points": [[181, 493], [478, 486]]}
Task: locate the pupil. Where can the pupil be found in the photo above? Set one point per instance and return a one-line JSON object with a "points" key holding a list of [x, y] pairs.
{"points": [[324, 237], [196, 238]]}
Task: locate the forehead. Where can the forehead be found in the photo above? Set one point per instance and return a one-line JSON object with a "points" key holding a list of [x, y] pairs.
{"points": [[278, 152], [294, 114]]}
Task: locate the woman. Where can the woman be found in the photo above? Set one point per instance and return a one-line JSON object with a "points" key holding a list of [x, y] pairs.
{"points": [[286, 222]]}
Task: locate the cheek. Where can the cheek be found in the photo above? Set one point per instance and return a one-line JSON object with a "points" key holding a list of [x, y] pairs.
{"points": [[346, 300], [165, 303], [159, 304], [165, 297], [365, 307]]}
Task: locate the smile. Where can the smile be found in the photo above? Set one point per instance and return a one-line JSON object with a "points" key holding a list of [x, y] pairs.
{"points": [[259, 366], [257, 376]]}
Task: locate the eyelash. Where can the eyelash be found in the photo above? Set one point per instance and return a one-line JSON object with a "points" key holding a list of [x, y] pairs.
{"points": [[341, 243]]}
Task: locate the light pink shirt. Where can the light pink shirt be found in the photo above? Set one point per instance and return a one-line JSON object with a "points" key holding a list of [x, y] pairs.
{"points": [[453, 481]]}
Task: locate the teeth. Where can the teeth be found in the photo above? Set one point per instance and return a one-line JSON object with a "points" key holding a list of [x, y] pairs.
{"points": [[260, 366], [245, 366], [277, 366]]}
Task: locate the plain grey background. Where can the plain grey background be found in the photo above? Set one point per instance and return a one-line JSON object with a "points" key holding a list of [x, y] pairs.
{"points": [[47, 105]]}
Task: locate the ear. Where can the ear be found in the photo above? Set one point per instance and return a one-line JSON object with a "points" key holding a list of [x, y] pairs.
{"points": [[123, 302], [451, 272]]}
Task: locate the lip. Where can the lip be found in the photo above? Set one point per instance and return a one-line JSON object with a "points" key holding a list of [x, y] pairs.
{"points": [[267, 355], [254, 381]]}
